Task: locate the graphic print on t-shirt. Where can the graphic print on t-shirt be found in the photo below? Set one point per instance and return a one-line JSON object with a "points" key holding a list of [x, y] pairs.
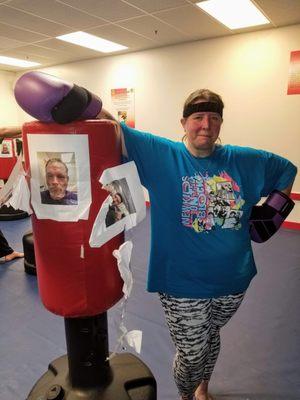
{"points": [[211, 201]]}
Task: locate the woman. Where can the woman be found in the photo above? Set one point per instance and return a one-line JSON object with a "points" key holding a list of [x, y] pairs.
{"points": [[201, 261], [6, 251], [116, 210]]}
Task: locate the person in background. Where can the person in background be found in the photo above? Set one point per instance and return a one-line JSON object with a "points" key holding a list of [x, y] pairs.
{"points": [[201, 263], [10, 132], [6, 251]]}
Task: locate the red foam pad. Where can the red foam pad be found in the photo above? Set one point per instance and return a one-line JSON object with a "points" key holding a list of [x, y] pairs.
{"points": [[69, 285]]}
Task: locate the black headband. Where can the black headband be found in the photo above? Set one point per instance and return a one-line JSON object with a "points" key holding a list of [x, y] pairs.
{"points": [[204, 106]]}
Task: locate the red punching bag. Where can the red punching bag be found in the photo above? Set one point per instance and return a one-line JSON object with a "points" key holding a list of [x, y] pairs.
{"points": [[74, 279], [8, 157]]}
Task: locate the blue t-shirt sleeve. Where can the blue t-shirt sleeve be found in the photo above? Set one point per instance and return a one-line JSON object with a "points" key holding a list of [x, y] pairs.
{"points": [[146, 150], [279, 173]]}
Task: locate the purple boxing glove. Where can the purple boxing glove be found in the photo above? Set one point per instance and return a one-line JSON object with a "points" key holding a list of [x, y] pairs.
{"points": [[266, 219], [49, 99]]}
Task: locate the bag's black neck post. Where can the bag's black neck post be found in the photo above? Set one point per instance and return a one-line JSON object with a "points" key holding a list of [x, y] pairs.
{"points": [[87, 348]]}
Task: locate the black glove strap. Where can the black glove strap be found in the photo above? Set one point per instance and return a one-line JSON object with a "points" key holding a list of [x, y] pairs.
{"points": [[72, 105]]}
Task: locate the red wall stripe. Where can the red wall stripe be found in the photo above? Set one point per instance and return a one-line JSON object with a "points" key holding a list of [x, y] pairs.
{"points": [[295, 196], [291, 225]]}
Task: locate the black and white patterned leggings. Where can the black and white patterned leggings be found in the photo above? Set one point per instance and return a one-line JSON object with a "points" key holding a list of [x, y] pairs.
{"points": [[194, 325]]}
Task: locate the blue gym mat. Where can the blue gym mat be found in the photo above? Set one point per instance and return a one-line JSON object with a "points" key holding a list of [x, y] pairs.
{"points": [[260, 355]]}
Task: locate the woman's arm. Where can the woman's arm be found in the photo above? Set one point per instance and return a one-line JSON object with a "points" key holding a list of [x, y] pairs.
{"points": [[11, 132], [104, 114], [288, 189]]}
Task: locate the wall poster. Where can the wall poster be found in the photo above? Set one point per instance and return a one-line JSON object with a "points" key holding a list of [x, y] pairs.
{"points": [[123, 102], [294, 73]]}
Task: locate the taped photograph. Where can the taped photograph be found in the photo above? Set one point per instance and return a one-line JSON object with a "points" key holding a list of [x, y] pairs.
{"points": [[123, 208], [6, 150], [60, 176], [121, 203]]}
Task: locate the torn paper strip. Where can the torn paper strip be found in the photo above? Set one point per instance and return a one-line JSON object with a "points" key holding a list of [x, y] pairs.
{"points": [[134, 339], [123, 208], [15, 192], [123, 256], [20, 199]]}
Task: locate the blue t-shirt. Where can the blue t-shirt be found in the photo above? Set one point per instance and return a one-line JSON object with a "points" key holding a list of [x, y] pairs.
{"points": [[200, 208]]}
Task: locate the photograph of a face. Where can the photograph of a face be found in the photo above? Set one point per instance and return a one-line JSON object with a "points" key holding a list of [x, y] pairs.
{"points": [[121, 203], [123, 206], [6, 149], [58, 180], [60, 177]]}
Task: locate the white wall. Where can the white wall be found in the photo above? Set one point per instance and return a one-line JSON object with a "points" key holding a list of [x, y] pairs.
{"points": [[9, 114], [249, 70]]}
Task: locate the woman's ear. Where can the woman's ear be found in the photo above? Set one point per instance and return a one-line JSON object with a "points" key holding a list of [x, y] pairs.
{"points": [[183, 121]]}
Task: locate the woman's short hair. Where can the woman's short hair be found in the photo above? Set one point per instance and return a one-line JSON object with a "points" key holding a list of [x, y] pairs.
{"points": [[203, 94]]}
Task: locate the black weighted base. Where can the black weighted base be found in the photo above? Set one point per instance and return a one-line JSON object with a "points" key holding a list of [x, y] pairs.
{"points": [[10, 214], [129, 379], [29, 257]]}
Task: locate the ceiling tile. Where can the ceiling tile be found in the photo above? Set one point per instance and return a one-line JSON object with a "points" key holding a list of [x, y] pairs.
{"points": [[58, 12], [34, 24], [137, 24], [6, 43], [18, 53], [156, 5], [281, 12], [122, 36], [65, 47], [155, 30], [13, 32], [193, 22], [45, 58], [9, 68], [61, 59], [111, 10], [32, 50]]}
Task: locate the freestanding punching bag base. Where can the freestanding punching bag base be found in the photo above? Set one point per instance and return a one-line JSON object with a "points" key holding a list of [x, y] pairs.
{"points": [[10, 214], [130, 379], [86, 374], [29, 257]]}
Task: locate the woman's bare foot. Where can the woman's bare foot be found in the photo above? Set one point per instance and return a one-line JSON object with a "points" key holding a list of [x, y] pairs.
{"points": [[201, 392], [203, 396], [13, 255]]}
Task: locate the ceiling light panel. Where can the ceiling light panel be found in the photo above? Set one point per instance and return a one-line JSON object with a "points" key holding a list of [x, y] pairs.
{"points": [[235, 14], [17, 62], [92, 42]]}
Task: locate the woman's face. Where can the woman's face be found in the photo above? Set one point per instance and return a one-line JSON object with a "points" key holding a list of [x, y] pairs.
{"points": [[202, 129], [116, 199]]}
